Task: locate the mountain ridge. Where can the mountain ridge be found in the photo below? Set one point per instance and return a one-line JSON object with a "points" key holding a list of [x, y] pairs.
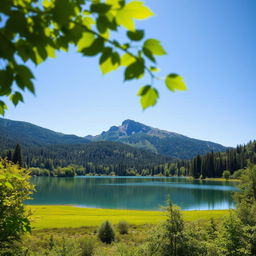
{"points": [[156, 140], [130, 132], [26, 133]]}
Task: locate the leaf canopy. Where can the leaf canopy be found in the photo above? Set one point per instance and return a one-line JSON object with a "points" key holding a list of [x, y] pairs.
{"points": [[37, 30]]}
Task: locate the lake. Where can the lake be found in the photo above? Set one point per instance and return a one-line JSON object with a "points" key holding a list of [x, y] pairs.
{"points": [[142, 193]]}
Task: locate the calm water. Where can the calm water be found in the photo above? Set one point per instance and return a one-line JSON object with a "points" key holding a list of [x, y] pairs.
{"points": [[145, 193]]}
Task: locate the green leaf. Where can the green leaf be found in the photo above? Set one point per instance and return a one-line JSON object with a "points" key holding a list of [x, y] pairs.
{"points": [[175, 82], [127, 59], [50, 51], [88, 22], [47, 4], [86, 41], [100, 8], [62, 11], [16, 98], [154, 69], [96, 47], [3, 107], [107, 52], [37, 59], [6, 80], [134, 70], [149, 54], [148, 96], [8, 185], [109, 61], [108, 66], [130, 11], [154, 46], [102, 24], [143, 90], [137, 35]]}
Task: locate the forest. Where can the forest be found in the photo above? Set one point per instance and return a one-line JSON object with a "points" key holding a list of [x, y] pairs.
{"points": [[109, 158]]}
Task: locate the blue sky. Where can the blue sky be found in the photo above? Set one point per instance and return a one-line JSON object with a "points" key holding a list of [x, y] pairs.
{"points": [[210, 43]]}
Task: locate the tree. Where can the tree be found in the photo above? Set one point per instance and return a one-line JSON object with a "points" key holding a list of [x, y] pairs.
{"points": [[169, 238], [9, 155], [33, 31], [226, 174], [17, 159], [232, 237], [123, 227], [15, 188], [246, 206], [106, 233]]}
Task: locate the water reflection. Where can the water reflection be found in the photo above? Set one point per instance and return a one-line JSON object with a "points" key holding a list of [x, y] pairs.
{"points": [[145, 193]]}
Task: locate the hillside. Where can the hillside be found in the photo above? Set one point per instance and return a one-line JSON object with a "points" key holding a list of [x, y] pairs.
{"points": [[48, 149], [158, 141], [26, 134], [95, 157]]}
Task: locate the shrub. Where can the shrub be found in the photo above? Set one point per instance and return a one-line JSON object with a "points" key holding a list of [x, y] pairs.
{"points": [[226, 174], [87, 246], [62, 247], [15, 188], [237, 174], [122, 227], [106, 233]]}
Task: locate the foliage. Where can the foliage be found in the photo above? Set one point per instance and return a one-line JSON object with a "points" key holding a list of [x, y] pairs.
{"points": [[14, 189], [106, 233], [169, 240], [232, 236], [226, 174], [87, 246], [246, 206], [99, 158], [17, 159], [213, 164], [123, 227], [246, 198], [231, 239], [33, 31], [69, 171]]}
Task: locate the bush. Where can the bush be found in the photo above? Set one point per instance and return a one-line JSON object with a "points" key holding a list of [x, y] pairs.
{"points": [[226, 174], [87, 245], [61, 247], [15, 188], [237, 174], [122, 227], [106, 233]]}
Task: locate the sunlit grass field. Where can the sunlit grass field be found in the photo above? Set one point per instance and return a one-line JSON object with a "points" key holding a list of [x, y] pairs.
{"points": [[46, 216]]}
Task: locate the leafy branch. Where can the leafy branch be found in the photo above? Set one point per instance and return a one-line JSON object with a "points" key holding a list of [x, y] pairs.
{"points": [[34, 31]]}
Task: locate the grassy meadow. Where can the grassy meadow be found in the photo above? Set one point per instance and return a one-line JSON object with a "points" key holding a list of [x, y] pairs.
{"points": [[58, 216]]}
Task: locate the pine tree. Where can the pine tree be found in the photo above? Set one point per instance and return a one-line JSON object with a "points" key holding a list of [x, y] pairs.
{"points": [[17, 159], [9, 155]]}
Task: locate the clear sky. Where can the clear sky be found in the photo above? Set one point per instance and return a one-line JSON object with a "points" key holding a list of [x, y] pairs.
{"points": [[212, 44]]}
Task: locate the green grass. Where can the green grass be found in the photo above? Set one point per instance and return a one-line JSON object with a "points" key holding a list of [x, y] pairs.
{"points": [[46, 216], [222, 179]]}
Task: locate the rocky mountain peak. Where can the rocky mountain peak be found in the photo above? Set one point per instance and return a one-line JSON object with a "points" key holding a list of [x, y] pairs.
{"points": [[131, 127]]}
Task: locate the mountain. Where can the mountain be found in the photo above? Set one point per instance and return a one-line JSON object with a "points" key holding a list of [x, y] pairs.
{"points": [[48, 149], [26, 134], [158, 141]]}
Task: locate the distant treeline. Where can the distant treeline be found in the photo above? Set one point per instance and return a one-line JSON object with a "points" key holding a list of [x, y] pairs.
{"points": [[107, 158], [214, 164], [98, 158]]}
